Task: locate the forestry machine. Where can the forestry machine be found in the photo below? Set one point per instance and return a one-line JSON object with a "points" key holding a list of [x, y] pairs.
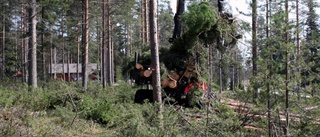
{"points": [[180, 83]]}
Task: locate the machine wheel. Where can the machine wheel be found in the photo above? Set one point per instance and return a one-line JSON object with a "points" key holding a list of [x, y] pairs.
{"points": [[143, 94]]}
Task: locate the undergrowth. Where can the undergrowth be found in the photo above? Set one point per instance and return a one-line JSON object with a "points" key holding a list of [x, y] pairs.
{"points": [[64, 109]]}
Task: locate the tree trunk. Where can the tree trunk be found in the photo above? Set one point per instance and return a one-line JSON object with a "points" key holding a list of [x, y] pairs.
{"points": [[155, 56], [220, 71], [233, 73], [68, 65], [147, 39], [104, 63], [287, 65], [63, 48], [43, 77], [85, 39], [51, 57], [254, 43], [22, 41], [109, 48], [3, 47], [211, 62], [33, 45], [99, 40], [55, 61], [78, 50], [269, 68], [24, 45], [177, 19], [143, 22], [112, 72], [114, 67], [101, 58], [129, 39], [298, 49]]}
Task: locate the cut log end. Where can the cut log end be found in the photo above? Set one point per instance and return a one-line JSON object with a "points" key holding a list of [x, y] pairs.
{"points": [[139, 66]]}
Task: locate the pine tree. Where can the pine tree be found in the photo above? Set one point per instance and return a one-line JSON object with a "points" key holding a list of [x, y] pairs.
{"points": [[85, 42], [311, 52], [254, 37], [32, 81], [155, 63]]}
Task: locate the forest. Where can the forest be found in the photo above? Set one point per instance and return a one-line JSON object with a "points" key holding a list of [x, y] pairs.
{"points": [[143, 68]]}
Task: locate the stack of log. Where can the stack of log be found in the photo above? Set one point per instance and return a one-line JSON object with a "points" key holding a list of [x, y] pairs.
{"points": [[174, 77], [171, 80], [142, 71]]}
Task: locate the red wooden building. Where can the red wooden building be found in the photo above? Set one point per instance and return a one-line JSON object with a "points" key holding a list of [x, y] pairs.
{"points": [[72, 71]]}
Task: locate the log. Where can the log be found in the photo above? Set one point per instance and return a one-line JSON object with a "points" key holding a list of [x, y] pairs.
{"points": [[139, 66], [173, 84], [165, 82], [147, 73], [173, 75]]}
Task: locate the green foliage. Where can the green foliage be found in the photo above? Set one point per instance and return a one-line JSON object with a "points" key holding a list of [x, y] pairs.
{"points": [[7, 97], [200, 18], [111, 112], [195, 95]]}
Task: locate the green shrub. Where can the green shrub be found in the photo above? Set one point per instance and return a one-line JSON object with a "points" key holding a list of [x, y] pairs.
{"points": [[7, 97]]}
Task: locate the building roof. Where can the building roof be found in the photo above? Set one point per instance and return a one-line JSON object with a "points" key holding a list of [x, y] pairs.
{"points": [[57, 68]]}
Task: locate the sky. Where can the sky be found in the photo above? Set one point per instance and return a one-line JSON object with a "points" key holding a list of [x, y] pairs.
{"points": [[240, 4]]}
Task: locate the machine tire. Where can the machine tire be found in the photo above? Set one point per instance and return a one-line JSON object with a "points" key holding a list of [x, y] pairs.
{"points": [[143, 94]]}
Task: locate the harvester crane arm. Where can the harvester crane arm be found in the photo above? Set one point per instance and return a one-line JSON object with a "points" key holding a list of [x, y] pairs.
{"points": [[177, 20]]}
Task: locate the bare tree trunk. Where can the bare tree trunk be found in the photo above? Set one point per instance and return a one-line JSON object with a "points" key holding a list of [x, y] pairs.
{"points": [[113, 62], [220, 71], [16, 51], [22, 41], [155, 57], [109, 50], [147, 39], [298, 49], [25, 45], [287, 65], [101, 58], [211, 62], [42, 47], [104, 55], [143, 23], [51, 57], [254, 37], [68, 65], [63, 48], [177, 19], [254, 43], [269, 67], [3, 46], [233, 73], [78, 50], [99, 40], [33, 45], [129, 53], [55, 62], [85, 35], [112, 74]]}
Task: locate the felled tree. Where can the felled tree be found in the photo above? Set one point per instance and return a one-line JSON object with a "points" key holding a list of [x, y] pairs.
{"points": [[199, 19], [203, 26]]}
